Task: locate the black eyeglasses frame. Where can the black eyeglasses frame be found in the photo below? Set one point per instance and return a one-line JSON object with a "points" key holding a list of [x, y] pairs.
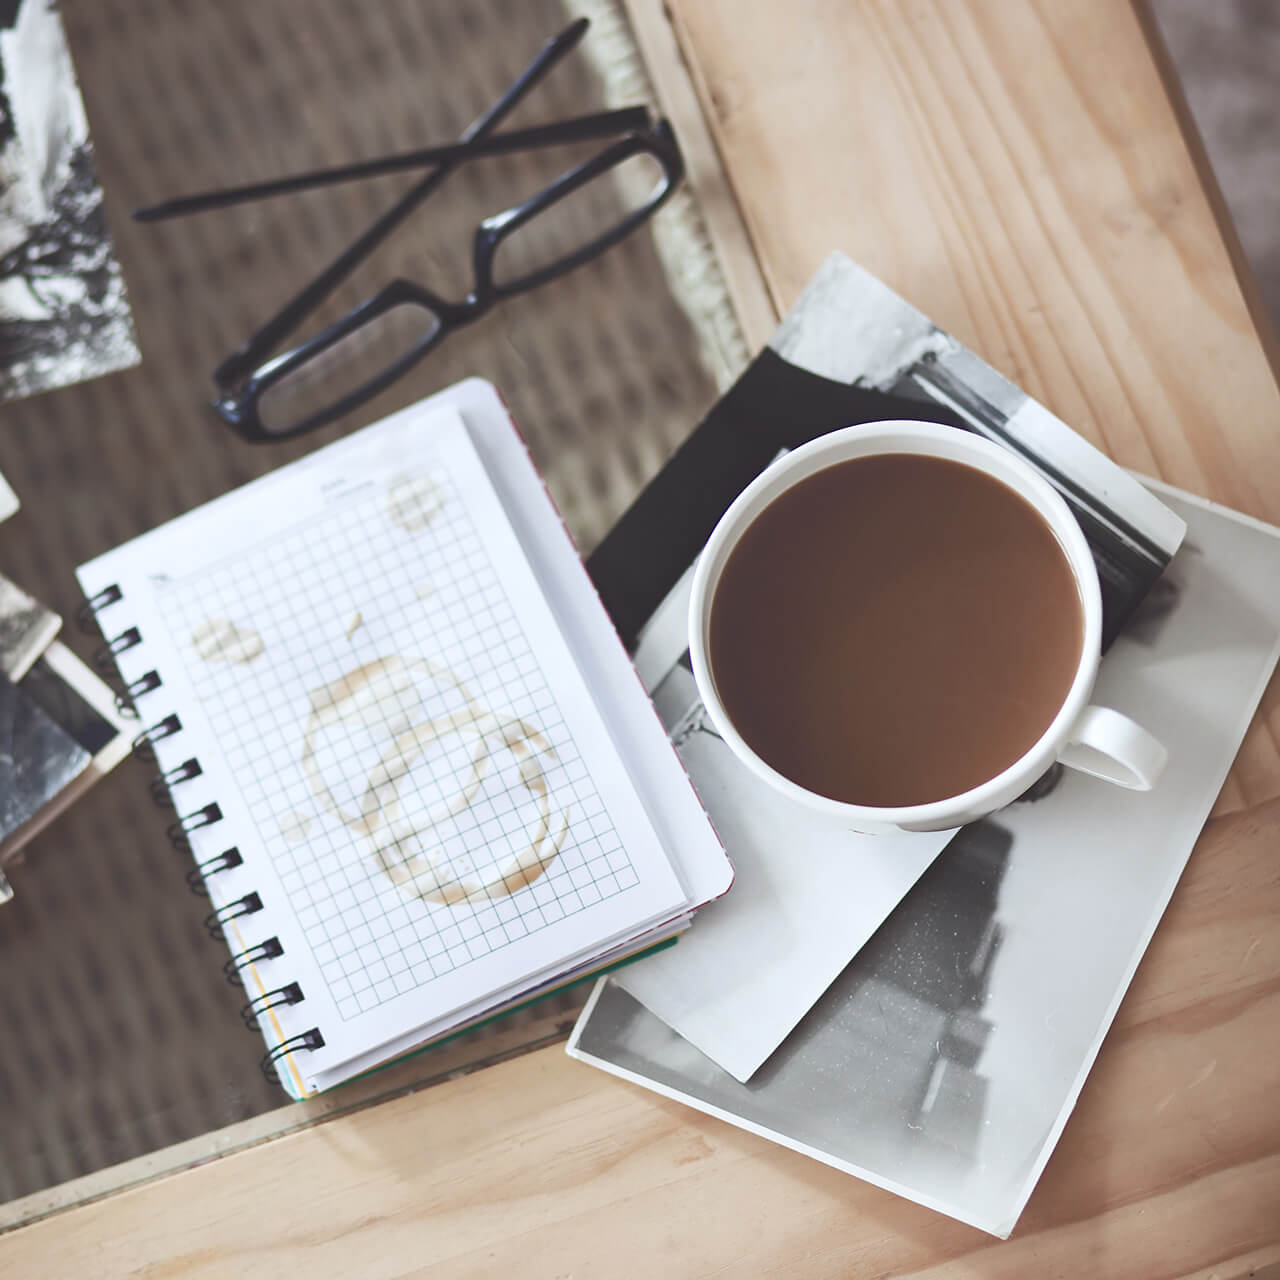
{"points": [[251, 371], [240, 409]]}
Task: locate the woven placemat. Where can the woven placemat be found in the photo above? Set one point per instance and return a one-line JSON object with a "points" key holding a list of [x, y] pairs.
{"points": [[118, 1034]]}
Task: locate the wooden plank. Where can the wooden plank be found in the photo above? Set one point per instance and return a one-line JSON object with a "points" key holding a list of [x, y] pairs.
{"points": [[1016, 171], [656, 41], [1249, 287], [542, 1167]]}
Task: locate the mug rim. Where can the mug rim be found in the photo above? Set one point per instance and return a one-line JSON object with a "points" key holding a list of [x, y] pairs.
{"points": [[934, 440]]}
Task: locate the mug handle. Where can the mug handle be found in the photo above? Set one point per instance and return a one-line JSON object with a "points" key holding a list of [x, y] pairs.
{"points": [[1107, 745]]}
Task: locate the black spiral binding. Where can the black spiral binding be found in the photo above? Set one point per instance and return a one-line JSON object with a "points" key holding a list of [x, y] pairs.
{"points": [[162, 789], [305, 1040], [201, 872], [105, 654], [267, 949], [139, 688], [144, 743], [246, 906], [87, 613], [290, 993], [205, 816]]}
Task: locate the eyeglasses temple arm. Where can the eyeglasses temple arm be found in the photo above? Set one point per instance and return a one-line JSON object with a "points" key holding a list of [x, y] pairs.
{"points": [[242, 361], [598, 124]]}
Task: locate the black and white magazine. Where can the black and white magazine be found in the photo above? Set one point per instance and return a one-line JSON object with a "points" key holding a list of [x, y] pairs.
{"points": [[944, 1059], [60, 731], [64, 315], [26, 629]]}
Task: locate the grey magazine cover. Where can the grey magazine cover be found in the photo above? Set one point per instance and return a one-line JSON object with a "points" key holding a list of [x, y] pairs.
{"points": [[944, 1059]]}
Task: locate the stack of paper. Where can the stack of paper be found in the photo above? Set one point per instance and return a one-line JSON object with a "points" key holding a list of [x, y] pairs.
{"points": [[943, 1061]]}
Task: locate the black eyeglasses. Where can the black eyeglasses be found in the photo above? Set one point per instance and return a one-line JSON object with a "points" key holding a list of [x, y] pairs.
{"points": [[514, 251], [324, 378]]}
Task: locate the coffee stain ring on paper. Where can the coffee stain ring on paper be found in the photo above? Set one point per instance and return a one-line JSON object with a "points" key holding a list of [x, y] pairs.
{"points": [[221, 640], [380, 817], [413, 501]]}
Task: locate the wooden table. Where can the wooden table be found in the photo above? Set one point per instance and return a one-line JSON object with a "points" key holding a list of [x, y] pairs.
{"points": [[1020, 172]]}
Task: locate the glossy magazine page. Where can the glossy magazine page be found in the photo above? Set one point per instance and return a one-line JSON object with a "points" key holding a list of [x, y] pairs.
{"points": [[945, 1056], [945, 1059]]}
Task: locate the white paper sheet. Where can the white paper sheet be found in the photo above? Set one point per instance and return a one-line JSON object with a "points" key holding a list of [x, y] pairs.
{"points": [[806, 896]]}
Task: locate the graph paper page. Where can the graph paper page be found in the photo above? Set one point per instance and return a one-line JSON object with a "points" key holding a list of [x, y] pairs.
{"points": [[427, 800]]}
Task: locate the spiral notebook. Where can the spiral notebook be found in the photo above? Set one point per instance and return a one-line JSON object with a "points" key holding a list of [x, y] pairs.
{"points": [[415, 767]]}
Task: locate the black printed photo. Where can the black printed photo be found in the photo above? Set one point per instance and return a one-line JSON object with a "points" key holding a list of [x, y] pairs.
{"points": [[64, 315]]}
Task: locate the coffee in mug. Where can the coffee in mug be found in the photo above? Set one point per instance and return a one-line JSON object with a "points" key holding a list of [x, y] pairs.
{"points": [[899, 626], [895, 629]]}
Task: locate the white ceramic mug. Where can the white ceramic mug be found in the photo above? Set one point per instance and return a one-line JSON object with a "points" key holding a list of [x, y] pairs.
{"points": [[1095, 740]]}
